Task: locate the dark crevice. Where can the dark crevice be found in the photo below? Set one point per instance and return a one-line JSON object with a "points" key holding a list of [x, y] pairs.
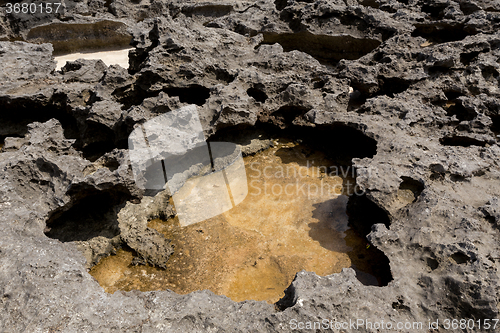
{"points": [[221, 74], [490, 73], [467, 58], [386, 86], [91, 216], [280, 4], [355, 143], [288, 300], [363, 214], [211, 10], [16, 114], [258, 94], [193, 94], [435, 11], [432, 263], [392, 86], [134, 95], [412, 185], [326, 49], [370, 3], [454, 106], [468, 7], [284, 116], [437, 70], [356, 100], [93, 151], [463, 141], [440, 33], [326, 137], [99, 140], [452, 95], [460, 258], [495, 126]]}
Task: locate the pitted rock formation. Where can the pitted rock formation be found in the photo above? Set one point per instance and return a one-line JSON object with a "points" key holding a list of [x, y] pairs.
{"points": [[420, 78]]}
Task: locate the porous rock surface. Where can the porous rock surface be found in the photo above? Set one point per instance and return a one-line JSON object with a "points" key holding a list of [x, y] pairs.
{"points": [[419, 77]]}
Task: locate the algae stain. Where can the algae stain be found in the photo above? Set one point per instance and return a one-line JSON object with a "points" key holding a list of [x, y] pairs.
{"points": [[294, 218]]}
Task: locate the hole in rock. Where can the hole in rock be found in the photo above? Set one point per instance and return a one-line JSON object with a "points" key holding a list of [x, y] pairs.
{"points": [[409, 189], [100, 140], [392, 86], [437, 70], [490, 73], [399, 305], [435, 11], [220, 74], [460, 258], [495, 126], [90, 217], [467, 58], [194, 94], [440, 32], [286, 115], [363, 213], [257, 94], [207, 10], [280, 4], [468, 7], [326, 49], [370, 3], [293, 218], [454, 106], [463, 141], [17, 113], [432, 263]]}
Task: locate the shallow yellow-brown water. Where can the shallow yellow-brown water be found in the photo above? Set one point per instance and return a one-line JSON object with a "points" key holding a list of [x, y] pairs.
{"points": [[254, 250]]}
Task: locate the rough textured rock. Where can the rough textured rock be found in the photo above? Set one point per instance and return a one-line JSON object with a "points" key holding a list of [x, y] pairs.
{"points": [[411, 85]]}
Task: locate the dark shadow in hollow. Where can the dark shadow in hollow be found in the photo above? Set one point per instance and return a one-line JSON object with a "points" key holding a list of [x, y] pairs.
{"points": [[99, 139], [440, 32], [17, 113], [363, 214], [330, 229], [89, 217], [334, 233], [285, 115], [324, 48], [194, 94], [257, 93], [341, 142], [463, 141], [413, 185]]}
